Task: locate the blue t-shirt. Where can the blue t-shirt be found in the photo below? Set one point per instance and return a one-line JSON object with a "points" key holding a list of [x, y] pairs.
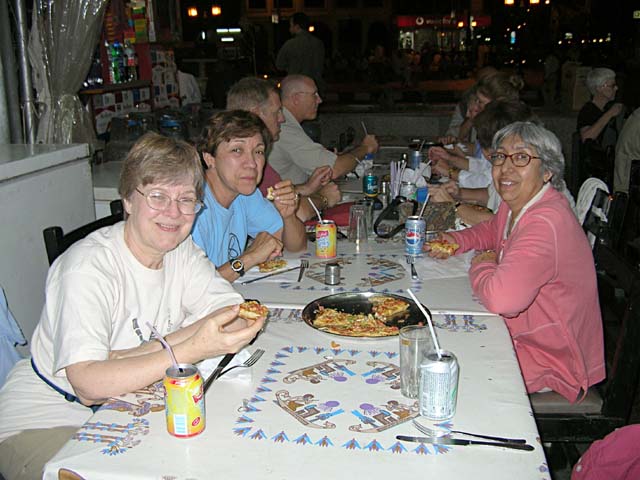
{"points": [[222, 232]]}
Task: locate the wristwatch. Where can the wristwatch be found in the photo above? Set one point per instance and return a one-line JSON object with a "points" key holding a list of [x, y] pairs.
{"points": [[237, 266]]}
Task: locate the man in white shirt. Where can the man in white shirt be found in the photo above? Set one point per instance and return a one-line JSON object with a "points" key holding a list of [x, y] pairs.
{"points": [[295, 155]]}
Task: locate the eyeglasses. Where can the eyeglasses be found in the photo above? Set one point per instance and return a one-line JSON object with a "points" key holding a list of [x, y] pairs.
{"points": [[161, 202], [314, 94], [519, 159], [611, 85]]}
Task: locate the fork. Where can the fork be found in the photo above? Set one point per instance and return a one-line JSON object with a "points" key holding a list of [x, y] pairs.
{"points": [[411, 260], [249, 362], [445, 433], [304, 264]]}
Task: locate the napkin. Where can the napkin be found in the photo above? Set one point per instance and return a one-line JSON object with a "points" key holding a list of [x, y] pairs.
{"points": [[291, 276], [363, 166], [417, 176], [237, 374], [432, 269]]}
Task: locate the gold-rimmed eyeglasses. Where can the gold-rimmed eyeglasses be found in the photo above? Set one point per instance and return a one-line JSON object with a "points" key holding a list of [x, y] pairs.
{"points": [[161, 202], [313, 94], [519, 159]]}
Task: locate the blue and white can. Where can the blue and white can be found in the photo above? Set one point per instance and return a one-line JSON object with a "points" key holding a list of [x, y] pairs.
{"points": [[415, 228], [438, 393]]}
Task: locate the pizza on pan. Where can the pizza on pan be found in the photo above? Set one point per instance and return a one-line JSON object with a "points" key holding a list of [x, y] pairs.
{"points": [[252, 310], [272, 265], [351, 325], [444, 247]]}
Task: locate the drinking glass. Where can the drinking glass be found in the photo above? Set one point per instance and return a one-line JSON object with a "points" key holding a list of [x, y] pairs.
{"points": [[358, 224], [415, 342]]}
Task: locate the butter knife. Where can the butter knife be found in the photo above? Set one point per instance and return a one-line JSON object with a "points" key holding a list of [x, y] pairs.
{"points": [[270, 275], [216, 372], [460, 441]]}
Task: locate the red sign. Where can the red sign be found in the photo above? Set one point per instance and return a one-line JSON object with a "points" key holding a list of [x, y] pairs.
{"points": [[430, 21]]}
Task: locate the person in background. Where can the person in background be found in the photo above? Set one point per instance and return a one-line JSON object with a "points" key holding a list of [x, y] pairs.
{"points": [[303, 54], [94, 339], [474, 171], [535, 267], [596, 119], [261, 97], [461, 123], [295, 155], [627, 150], [233, 147]]}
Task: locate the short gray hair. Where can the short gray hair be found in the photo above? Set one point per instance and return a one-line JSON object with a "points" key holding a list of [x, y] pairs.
{"points": [[544, 142], [597, 77], [249, 93]]}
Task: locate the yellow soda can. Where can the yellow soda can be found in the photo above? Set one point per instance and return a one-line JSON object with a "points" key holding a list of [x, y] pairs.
{"points": [[326, 239], [184, 401]]}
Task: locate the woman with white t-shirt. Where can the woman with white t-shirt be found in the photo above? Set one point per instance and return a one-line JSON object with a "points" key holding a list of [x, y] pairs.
{"points": [[93, 340]]}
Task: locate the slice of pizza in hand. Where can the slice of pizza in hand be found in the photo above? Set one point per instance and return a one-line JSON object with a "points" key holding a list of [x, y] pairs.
{"points": [[272, 265], [270, 195], [252, 310], [444, 247]]}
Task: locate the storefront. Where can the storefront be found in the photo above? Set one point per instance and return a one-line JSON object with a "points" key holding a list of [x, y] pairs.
{"points": [[444, 33]]}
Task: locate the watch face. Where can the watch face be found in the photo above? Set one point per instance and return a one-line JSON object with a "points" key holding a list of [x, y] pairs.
{"points": [[237, 265]]}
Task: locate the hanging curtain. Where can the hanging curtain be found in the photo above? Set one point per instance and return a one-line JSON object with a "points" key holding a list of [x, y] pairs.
{"points": [[62, 40]]}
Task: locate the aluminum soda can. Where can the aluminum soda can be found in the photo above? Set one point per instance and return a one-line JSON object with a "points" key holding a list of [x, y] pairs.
{"points": [[326, 237], [414, 228], [184, 401], [438, 385], [370, 185]]}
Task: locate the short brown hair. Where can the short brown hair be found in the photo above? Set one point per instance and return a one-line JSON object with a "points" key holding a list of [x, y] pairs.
{"points": [[249, 93], [499, 114], [230, 124], [158, 159], [501, 86]]}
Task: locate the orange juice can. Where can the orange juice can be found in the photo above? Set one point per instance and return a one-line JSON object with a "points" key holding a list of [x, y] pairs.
{"points": [[326, 237], [184, 401]]}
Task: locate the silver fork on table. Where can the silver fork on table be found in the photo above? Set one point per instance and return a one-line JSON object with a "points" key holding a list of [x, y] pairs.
{"points": [[249, 362], [411, 260], [445, 433], [304, 264]]}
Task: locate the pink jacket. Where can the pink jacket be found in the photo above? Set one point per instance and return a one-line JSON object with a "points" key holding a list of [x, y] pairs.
{"points": [[544, 286]]}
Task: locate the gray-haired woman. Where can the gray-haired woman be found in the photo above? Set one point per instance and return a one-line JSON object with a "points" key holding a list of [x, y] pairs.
{"points": [[94, 339], [535, 268], [595, 117]]}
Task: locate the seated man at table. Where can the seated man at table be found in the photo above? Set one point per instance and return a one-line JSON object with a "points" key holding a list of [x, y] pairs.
{"points": [[233, 147], [104, 296], [534, 266], [262, 98], [295, 155]]}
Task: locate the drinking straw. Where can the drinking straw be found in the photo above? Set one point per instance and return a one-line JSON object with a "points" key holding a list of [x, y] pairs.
{"points": [[364, 127], [422, 144], [315, 208], [166, 345], [429, 321], [424, 204]]}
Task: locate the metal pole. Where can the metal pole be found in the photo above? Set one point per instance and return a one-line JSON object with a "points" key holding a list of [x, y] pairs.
{"points": [[9, 75], [26, 92]]}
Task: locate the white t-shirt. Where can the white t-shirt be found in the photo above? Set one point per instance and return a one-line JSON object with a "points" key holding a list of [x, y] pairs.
{"points": [[99, 298]]}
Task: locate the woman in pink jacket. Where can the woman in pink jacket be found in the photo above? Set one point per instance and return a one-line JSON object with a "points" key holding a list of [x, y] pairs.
{"points": [[535, 267]]}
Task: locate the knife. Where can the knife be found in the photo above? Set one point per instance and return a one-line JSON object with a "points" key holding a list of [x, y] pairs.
{"points": [[223, 363], [270, 275], [459, 441]]}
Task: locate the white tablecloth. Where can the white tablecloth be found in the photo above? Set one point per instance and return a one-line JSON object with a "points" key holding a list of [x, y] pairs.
{"points": [[379, 266], [340, 413]]}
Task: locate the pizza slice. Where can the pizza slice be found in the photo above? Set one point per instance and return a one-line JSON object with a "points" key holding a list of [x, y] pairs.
{"points": [[444, 247], [270, 195], [388, 307], [272, 265], [252, 310]]}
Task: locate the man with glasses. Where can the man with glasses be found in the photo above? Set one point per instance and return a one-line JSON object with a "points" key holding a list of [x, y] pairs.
{"points": [[261, 97], [295, 155]]}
